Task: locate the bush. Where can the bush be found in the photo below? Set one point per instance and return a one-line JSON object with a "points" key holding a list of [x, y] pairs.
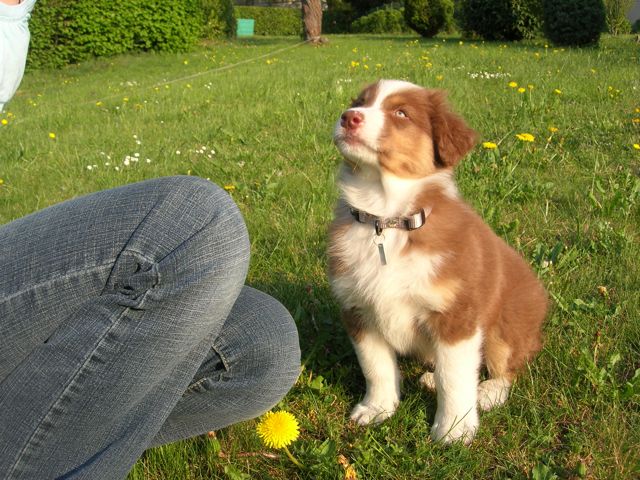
{"points": [[428, 17], [68, 32], [364, 7], [616, 16], [636, 26], [278, 21], [573, 22], [500, 19], [218, 17], [338, 17], [383, 20]]}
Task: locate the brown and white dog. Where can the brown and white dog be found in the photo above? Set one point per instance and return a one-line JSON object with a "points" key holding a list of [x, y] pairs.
{"points": [[416, 270]]}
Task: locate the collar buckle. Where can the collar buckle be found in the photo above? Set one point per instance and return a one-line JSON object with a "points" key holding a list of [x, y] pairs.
{"points": [[412, 222]]}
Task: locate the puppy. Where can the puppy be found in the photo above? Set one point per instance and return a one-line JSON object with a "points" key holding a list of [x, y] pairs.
{"points": [[415, 269]]}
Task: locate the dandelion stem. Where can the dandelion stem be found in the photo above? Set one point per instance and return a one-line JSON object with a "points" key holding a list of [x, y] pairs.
{"points": [[292, 458]]}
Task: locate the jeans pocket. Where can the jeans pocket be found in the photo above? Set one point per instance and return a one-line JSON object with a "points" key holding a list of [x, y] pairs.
{"points": [[213, 369]]}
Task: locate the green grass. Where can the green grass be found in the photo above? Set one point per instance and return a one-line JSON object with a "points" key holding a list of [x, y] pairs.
{"points": [[569, 202]]}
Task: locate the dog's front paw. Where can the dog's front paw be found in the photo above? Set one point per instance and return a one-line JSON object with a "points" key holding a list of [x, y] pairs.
{"points": [[364, 414], [454, 428]]}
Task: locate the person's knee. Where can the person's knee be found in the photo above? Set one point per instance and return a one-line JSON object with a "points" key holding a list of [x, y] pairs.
{"points": [[215, 217], [282, 359], [191, 246], [273, 360]]}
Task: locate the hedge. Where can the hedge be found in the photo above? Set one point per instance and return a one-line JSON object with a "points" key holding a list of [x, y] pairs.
{"points": [[64, 32], [219, 18], [499, 19], [428, 17], [277, 21], [384, 20], [574, 22]]}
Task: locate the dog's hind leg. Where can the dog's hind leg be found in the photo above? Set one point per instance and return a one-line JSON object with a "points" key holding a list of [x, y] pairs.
{"points": [[495, 391]]}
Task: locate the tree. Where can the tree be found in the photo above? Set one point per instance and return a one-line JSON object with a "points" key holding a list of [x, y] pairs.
{"points": [[616, 16], [312, 19]]}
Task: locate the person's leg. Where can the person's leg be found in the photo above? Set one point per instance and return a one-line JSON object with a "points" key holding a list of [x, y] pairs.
{"points": [[252, 364], [108, 306]]}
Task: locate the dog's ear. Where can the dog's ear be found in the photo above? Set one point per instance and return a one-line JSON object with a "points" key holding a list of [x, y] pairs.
{"points": [[452, 137]]}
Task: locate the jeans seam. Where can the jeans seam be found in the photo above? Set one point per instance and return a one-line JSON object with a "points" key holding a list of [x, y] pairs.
{"points": [[65, 391], [73, 273], [225, 363]]}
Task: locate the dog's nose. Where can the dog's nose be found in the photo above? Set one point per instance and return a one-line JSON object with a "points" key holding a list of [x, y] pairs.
{"points": [[351, 119]]}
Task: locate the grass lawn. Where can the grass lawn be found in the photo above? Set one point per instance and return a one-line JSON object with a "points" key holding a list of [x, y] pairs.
{"points": [[568, 201]]}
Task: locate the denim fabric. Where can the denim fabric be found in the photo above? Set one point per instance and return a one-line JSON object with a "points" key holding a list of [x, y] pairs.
{"points": [[124, 324], [14, 44]]}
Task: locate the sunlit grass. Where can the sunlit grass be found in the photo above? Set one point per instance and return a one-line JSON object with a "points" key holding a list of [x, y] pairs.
{"points": [[556, 173]]}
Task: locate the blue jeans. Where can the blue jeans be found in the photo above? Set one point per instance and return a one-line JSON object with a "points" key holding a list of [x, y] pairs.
{"points": [[124, 324]]}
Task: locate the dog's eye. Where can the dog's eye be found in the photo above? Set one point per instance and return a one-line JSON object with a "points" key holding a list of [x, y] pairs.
{"points": [[358, 102], [401, 114]]}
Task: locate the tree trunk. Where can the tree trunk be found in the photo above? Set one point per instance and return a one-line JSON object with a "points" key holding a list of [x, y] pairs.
{"points": [[312, 18]]}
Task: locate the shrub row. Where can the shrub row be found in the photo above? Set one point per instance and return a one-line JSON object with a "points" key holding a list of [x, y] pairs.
{"points": [[219, 18], [64, 32], [428, 17], [500, 19], [564, 22], [384, 20], [276, 21]]}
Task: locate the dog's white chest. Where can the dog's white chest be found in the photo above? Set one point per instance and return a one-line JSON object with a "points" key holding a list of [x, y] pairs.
{"points": [[393, 296]]}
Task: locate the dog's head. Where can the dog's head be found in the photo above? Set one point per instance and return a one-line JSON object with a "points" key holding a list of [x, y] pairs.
{"points": [[402, 129]]}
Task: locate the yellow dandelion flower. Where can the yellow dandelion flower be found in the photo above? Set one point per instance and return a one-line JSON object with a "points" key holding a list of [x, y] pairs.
{"points": [[52, 135], [99, 104], [354, 64], [440, 78], [636, 146], [522, 90], [489, 145], [1, 181], [229, 188], [530, 87], [637, 110], [553, 129], [278, 429], [513, 84], [557, 91], [4, 121], [525, 137], [635, 120]]}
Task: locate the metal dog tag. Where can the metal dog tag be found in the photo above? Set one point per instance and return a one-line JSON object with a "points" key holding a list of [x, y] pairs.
{"points": [[378, 240]]}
